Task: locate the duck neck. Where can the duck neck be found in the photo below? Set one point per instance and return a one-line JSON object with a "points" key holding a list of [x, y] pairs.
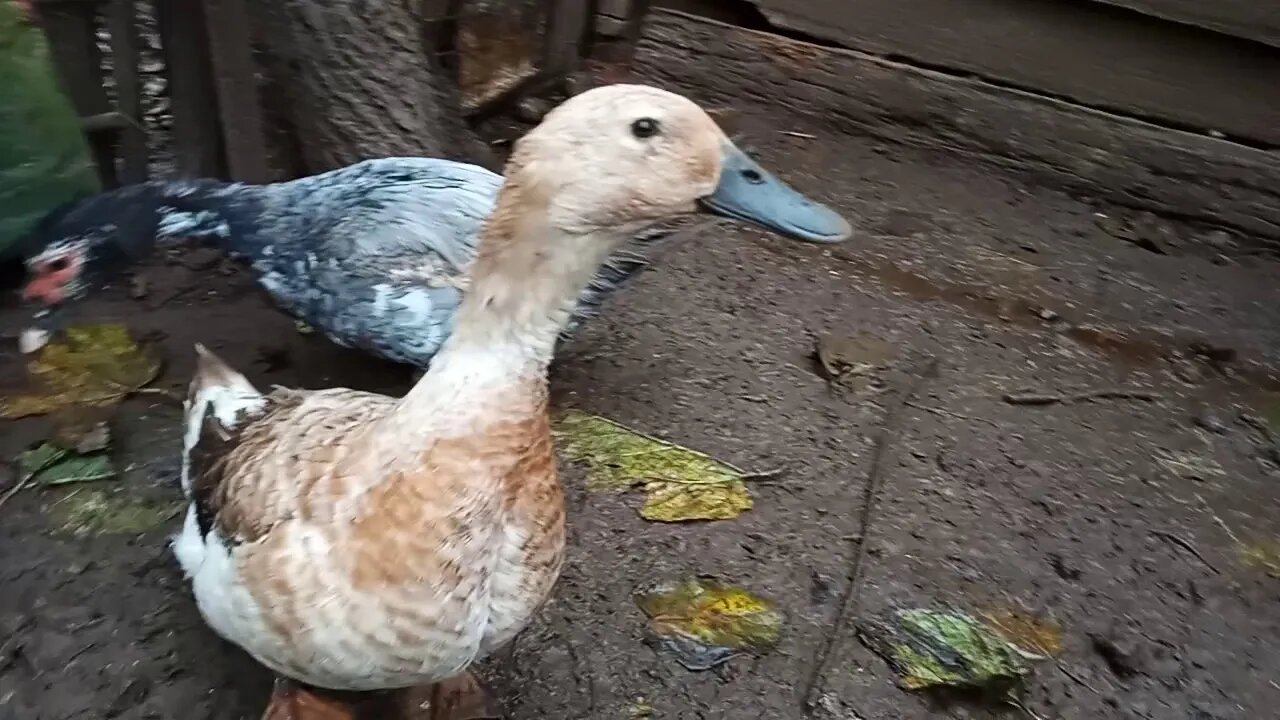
{"points": [[525, 282]]}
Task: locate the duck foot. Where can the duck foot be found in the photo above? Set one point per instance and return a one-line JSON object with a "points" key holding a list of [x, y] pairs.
{"points": [[291, 701]]}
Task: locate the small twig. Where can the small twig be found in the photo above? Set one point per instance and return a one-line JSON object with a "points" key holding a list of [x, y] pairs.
{"points": [[793, 133], [1019, 706], [1100, 394], [1224, 527], [167, 394], [79, 652], [952, 414], [1185, 545], [870, 495], [1260, 425], [18, 487], [1078, 680], [29, 479]]}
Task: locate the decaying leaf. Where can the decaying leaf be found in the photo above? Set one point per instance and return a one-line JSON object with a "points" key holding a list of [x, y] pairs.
{"points": [[82, 428], [936, 648], [1036, 638], [97, 364], [680, 484], [675, 502], [705, 622], [48, 464], [87, 512], [841, 358], [1262, 555]]}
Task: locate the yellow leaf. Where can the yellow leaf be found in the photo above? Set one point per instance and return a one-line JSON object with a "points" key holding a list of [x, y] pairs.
{"points": [[705, 622], [678, 502], [1262, 555], [1031, 635], [680, 484], [98, 364]]}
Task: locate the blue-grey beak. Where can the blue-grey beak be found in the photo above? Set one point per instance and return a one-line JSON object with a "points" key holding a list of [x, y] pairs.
{"points": [[747, 192]]}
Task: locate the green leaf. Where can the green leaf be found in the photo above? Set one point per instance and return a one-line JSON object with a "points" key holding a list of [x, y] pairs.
{"points": [[47, 464], [934, 648], [705, 622], [680, 484]]}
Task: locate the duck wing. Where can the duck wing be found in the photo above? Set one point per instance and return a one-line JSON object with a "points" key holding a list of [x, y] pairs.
{"points": [[388, 210], [252, 460]]}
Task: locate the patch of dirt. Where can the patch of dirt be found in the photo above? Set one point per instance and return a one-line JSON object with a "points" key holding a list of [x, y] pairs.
{"points": [[1063, 509]]}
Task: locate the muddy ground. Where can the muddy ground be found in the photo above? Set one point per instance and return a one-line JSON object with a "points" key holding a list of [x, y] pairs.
{"points": [[1121, 519]]}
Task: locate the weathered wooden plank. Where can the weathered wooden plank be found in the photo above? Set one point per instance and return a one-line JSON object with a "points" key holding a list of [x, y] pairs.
{"points": [[561, 46], [122, 24], [1253, 19], [1120, 160], [73, 44], [1084, 51], [234, 77], [192, 98]]}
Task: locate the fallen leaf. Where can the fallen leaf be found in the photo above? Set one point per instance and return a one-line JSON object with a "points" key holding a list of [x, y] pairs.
{"points": [[680, 484], [676, 502], [934, 648], [1036, 638], [82, 428], [47, 464], [705, 622], [1262, 555], [96, 364], [99, 512], [842, 358]]}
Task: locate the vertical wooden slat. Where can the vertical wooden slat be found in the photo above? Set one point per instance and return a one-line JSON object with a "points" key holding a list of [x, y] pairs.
{"points": [[566, 24], [440, 34], [122, 23], [235, 79], [73, 44], [635, 21], [196, 139]]}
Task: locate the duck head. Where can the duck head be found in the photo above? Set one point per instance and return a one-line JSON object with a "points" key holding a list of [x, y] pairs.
{"points": [[87, 244], [63, 273], [624, 155]]}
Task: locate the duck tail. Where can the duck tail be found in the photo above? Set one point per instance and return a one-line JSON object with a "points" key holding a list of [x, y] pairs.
{"points": [[218, 398]]}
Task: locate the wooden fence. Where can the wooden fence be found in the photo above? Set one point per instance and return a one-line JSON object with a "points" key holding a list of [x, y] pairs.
{"points": [[208, 68], [216, 127]]}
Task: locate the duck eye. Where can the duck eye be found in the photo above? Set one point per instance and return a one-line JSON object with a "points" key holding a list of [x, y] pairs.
{"points": [[58, 264], [644, 128]]}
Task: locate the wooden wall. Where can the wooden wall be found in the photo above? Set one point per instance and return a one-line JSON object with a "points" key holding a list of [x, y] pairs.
{"points": [[1122, 56], [1171, 106]]}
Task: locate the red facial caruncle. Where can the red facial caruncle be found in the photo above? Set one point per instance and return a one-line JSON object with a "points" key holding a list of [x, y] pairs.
{"points": [[50, 278]]}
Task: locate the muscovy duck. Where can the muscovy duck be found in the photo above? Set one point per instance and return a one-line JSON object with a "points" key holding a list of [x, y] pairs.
{"points": [[356, 542], [375, 254]]}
